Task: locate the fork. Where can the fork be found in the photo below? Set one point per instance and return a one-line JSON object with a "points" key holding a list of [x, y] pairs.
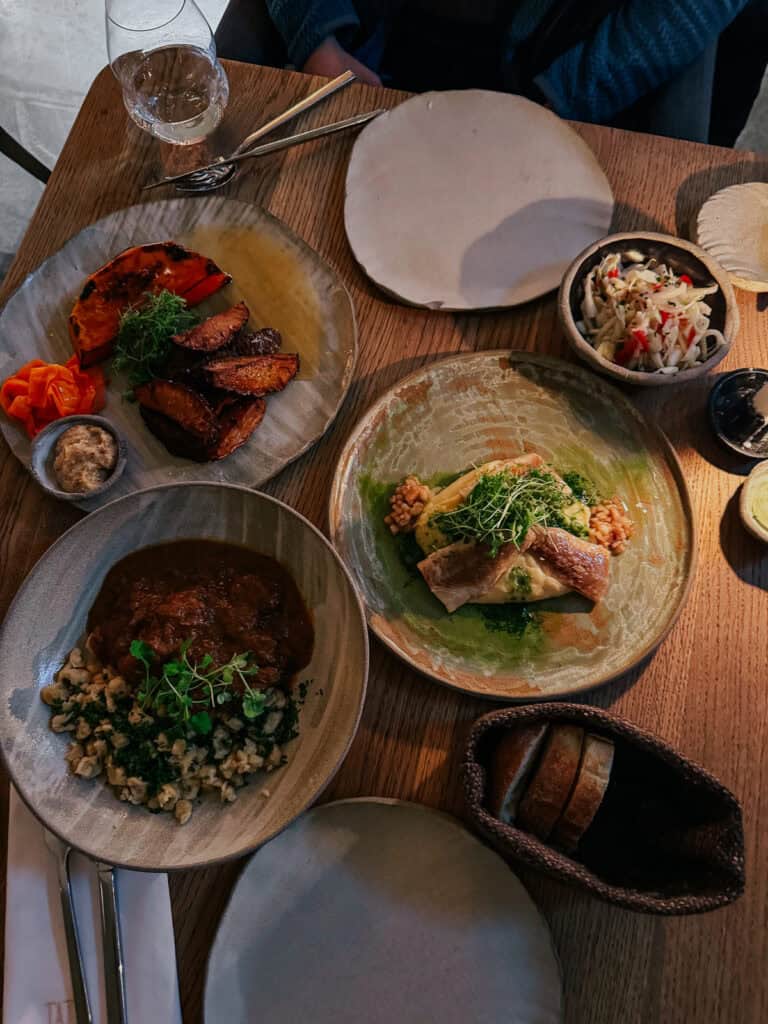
{"points": [[61, 852]]}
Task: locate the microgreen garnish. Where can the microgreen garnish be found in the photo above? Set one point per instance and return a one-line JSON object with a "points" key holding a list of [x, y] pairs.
{"points": [[187, 690], [143, 342], [502, 507]]}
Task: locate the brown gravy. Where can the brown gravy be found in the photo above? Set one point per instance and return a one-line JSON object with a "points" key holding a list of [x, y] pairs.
{"points": [[224, 598]]}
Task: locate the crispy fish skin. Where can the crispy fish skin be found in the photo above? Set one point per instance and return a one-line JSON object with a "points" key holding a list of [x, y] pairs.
{"points": [[238, 421], [460, 573], [215, 332], [180, 403], [252, 375], [579, 564]]}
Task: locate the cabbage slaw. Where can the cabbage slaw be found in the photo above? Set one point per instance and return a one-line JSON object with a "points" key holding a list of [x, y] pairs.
{"points": [[640, 314]]}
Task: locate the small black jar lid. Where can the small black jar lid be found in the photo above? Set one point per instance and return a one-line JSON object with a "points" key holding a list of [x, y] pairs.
{"points": [[738, 412]]}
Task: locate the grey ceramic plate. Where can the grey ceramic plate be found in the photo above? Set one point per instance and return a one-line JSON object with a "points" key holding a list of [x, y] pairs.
{"points": [[285, 284], [464, 411], [384, 912], [48, 617]]}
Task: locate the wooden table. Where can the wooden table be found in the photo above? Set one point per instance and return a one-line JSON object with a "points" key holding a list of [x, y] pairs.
{"points": [[706, 690]]}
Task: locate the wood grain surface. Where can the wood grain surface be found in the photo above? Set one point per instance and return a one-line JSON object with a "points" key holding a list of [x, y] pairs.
{"points": [[705, 690]]}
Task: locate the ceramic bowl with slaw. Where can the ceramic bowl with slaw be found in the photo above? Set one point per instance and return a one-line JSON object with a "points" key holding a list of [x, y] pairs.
{"points": [[648, 309]]}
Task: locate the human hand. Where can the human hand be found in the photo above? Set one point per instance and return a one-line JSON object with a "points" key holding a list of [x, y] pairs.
{"points": [[330, 59]]}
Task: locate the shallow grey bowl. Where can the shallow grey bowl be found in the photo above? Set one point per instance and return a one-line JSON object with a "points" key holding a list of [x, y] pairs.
{"points": [[684, 258], [48, 617], [41, 458]]}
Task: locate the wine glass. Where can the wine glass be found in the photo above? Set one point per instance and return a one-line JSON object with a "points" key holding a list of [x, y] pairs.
{"points": [[163, 54]]}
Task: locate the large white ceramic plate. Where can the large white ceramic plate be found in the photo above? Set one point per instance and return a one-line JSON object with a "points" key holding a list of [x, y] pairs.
{"points": [[48, 618], [733, 227], [383, 912], [472, 200], [285, 284]]}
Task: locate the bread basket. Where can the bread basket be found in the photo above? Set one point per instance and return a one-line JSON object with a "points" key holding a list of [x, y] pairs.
{"points": [[667, 839]]}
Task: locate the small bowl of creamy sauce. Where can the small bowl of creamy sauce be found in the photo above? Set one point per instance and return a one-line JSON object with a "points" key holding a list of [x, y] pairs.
{"points": [[753, 502], [78, 457]]}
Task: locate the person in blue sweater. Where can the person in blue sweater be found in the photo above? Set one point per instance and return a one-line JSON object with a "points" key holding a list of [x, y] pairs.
{"points": [[643, 64]]}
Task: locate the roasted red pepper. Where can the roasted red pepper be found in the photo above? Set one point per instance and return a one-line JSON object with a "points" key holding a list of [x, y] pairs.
{"points": [[624, 354], [686, 280], [641, 339]]}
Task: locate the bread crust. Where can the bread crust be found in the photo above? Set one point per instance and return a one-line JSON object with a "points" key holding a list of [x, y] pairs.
{"points": [[550, 788], [513, 760], [588, 792]]}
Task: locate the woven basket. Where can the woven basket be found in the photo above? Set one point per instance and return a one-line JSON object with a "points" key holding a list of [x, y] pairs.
{"points": [[667, 838]]}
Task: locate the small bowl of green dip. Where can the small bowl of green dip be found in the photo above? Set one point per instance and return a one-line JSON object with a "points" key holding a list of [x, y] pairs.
{"points": [[753, 503]]}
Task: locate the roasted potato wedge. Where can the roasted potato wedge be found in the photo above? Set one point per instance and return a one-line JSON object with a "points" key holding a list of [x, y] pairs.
{"points": [[265, 342], [252, 375], [215, 332], [177, 440], [180, 403], [238, 421]]}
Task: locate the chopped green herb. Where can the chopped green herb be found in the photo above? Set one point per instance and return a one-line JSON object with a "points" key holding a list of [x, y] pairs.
{"points": [[143, 342], [502, 507], [410, 552], [520, 580], [583, 490], [514, 619]]}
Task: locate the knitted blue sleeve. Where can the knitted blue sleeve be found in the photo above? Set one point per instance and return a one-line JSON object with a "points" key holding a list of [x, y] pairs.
{"points": [[304, 24], [634, 50]]}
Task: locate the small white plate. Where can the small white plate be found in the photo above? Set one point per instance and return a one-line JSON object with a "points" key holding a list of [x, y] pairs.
{"points": [[472, 200], [733, 227], [383, 912]]}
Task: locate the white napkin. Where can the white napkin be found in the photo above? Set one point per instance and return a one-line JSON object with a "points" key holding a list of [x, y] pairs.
{"points": [[37, 987]]}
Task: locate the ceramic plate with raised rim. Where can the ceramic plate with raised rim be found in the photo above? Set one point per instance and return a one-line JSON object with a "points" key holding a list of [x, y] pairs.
{"points": [[48, 617], [469, 199], [464, 411], [385, 912], [285, 284]]}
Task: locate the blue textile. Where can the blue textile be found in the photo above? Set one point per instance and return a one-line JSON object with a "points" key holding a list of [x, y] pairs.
{"points": [[633, 51]]}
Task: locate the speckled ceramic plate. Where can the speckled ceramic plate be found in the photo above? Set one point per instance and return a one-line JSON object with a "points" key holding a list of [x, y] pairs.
{"points": [[464, 411], [285, 284], [48, 618], [384, 912]]}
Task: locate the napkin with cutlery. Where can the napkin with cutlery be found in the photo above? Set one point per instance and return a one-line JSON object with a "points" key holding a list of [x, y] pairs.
{"points": [[37, 986]]}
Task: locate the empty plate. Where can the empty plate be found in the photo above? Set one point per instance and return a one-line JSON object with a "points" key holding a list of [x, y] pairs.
{"points": [[383, 912], [472, 200]]}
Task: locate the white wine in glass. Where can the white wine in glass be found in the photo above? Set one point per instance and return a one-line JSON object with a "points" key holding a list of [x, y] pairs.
{"points": [[163, 54]]}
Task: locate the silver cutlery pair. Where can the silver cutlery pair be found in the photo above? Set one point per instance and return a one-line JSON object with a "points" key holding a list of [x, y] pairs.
{"points": [[223, 170], [114, 973]]}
